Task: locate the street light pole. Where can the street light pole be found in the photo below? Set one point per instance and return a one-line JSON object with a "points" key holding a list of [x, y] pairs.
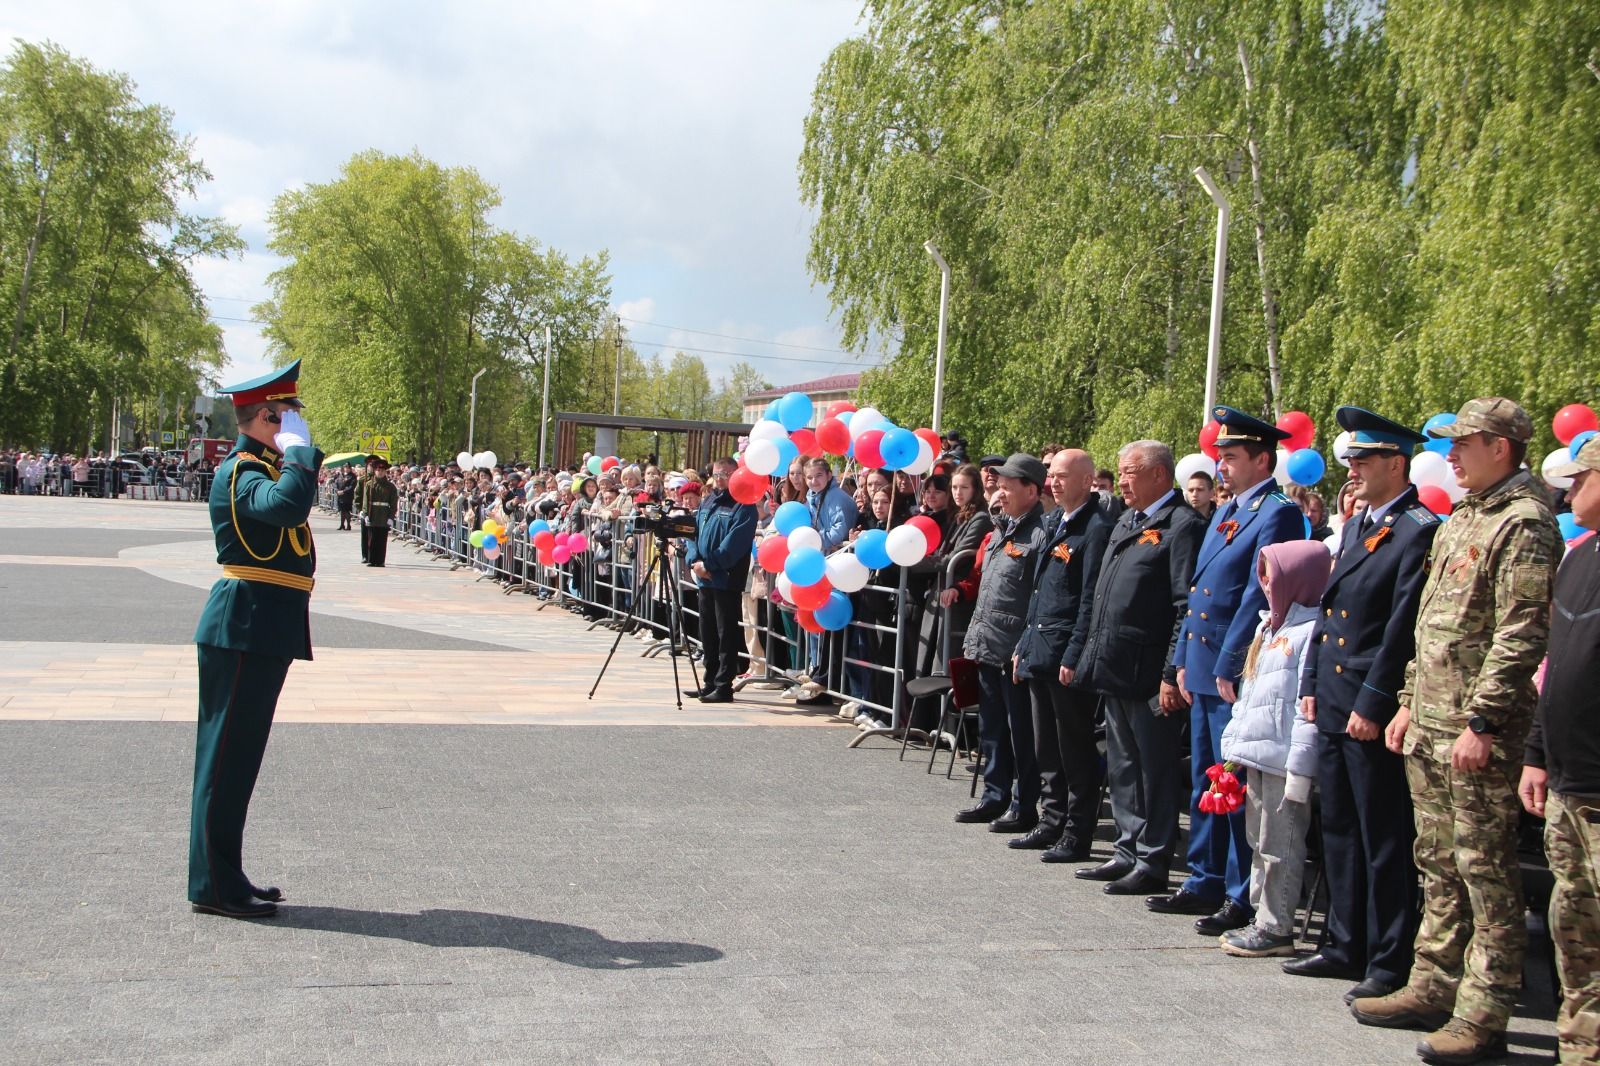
{"points": [[944, 312], [1219, 276], [544, 411], [616, 393], [472, 412]]}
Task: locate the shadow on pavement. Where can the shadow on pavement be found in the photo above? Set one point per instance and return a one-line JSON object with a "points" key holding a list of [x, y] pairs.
{"points": [[574, 945]]}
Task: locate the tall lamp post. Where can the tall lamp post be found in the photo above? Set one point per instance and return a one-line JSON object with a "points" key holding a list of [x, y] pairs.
{"points": [[938, 358], [544, 411], [1219, 277], [472, 412]]}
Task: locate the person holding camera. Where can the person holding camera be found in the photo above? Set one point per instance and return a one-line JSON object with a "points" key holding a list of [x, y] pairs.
{"points": [[719, 558]]}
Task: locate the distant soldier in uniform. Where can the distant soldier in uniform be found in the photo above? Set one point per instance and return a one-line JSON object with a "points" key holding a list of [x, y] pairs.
{"points": [[363, 483], [256, 622], [383, 499], [1466, 706], [1359, 650], [1561, 770], [1219, 624]]}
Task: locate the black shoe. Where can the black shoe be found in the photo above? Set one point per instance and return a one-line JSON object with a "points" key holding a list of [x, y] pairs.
{"points": [[974, 768], [1230, 916], [718, 695], [696, 693], [1136, 883], [1370, 988], [1110, 870], [981, 812], [270, 894], [1181, 902], [1039, 838], [1319, 965], [1014, 823], [246, 909], [1068, 850]]}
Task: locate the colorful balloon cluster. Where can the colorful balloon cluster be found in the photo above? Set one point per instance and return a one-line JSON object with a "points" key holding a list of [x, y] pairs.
{"points": [[598, 465], [1298, 462], [553, 548]]}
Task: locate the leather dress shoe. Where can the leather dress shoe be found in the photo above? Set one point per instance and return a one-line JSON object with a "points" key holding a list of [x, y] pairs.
{"points": [[1038, 838], [244, 909], [980, 812], [695, 693], [1013, 823], [718, 695], [270, 894], [1369, 988], [1110, 870], [1136, 883], [1068, 850], [1181, 902], [1230, 916], [1319, 965]]}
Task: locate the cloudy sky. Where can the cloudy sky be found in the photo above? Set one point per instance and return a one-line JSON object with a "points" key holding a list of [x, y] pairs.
{"points": [[666, 132]]}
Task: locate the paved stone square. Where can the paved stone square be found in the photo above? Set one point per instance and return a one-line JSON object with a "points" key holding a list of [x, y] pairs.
{"points": [[502, 871]]}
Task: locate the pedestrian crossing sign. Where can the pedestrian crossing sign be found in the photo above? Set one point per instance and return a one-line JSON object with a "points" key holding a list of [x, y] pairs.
{"points": [[380, 444], [167, 437]]}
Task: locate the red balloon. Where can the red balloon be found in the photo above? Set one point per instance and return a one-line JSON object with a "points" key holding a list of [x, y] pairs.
{"points": [[746, 485], [867, 453], [544, 540], [810, 597], [1302, 431], [772, 553], [1433, 498], [609, 463], [1208, 438], [833, 436], [930, 530], [1573, 419], [545, 558], [933, 440], [838, 407], [807, 622], [806, 441]]}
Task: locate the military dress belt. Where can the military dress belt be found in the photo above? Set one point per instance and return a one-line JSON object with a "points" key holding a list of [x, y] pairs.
{"points": [[268, 577]]}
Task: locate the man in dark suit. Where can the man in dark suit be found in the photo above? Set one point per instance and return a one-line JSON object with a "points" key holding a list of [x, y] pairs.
{"points": [[1047, 660], [1225, 605], [1127, 657], [1354, 667]]}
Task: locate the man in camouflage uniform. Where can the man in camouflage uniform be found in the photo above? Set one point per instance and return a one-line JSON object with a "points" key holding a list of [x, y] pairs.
{"points": [[1561, 769], [1466, 706]]}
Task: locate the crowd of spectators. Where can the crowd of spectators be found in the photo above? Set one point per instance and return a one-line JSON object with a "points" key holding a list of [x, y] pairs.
{"points": [[27, 473]]}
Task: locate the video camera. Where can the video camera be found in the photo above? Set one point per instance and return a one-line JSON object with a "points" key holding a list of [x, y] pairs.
{"points": [[652, 518]]}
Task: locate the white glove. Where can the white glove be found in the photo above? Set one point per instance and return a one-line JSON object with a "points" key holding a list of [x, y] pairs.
{"points": [[1297, 789], [293, 431]]}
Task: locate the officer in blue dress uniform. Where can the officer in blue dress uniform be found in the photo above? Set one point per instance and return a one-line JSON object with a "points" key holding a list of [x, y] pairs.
{"points": [[256, 622], [1357, 660], [1225, 605]]}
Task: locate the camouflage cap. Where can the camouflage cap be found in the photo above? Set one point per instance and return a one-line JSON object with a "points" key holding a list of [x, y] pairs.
{"points": [[1489, 414], [1588, 458]]}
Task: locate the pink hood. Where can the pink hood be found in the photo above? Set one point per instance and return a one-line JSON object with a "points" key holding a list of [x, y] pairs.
{"points": [[1297, 571]]}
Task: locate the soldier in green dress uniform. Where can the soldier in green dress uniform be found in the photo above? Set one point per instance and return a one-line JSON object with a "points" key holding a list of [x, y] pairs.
{"points": [[256, 622]]}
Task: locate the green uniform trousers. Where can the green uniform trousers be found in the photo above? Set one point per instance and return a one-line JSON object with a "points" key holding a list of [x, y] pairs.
{"points": [[1473, 934], [238, 695], [1572, 842]]}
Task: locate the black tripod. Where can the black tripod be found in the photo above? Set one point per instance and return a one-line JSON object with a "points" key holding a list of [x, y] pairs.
{"points": [[668, 595]]}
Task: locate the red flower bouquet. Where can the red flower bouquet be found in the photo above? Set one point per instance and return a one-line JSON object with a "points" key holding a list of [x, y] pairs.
{"points": [[1226, 793]]}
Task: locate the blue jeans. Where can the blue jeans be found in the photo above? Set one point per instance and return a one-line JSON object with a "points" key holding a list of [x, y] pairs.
{"points": [[1005, 737], [1219, 853]]}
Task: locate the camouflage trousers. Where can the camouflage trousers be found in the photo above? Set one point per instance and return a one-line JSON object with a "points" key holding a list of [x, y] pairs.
{"points": [[1572, 843], [1473, 935]]}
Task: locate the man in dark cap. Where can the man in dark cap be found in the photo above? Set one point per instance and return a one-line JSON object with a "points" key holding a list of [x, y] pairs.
{"points": [[1225, 605], [255, 623], [1353, 669], [383, 500]]}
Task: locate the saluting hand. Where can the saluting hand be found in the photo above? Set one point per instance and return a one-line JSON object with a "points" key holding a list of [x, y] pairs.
{"points": [[292, 431]]}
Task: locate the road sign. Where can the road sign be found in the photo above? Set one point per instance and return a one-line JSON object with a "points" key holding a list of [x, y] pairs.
{"points": [[167, 437], [380, 444]]}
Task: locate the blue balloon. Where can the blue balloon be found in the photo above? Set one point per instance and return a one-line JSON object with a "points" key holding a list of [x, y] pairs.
{"points": [[836, 613], [1306, 466], [1579, 441], [790, 517], [1307, 521], [805, 566], [788, 452], [1440, 445], [844, 416], [794, 411], [490, 542], [536, 527], [898, 448], [872, 550], [1569, 525]]}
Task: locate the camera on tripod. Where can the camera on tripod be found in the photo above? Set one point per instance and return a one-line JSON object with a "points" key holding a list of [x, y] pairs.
{"points": [[653, 519]]}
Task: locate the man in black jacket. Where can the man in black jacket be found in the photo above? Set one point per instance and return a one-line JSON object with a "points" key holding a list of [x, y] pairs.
{"points": [[1561, 770], [1139, 601], [1047, 660], [1353, 668]]}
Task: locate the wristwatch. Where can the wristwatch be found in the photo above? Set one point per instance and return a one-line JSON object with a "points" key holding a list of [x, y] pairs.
{"points": [[1481, 725]]}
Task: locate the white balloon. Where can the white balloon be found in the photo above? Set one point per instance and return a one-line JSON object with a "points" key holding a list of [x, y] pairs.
{"points": [[865, 419], [490, 459], [1281, 471], [761, 456], [785, 587], [805, 537], [847, 573], [1429, 468], [1558, 457], [1454, 491], [906, 545], [1192, 464], [767, 429], [1341, 448], [464, 460]]}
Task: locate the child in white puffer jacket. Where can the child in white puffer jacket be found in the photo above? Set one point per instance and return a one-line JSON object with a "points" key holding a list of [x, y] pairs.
{"points": [[1267, 735]]}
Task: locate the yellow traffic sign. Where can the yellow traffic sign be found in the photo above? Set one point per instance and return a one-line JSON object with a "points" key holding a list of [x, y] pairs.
{"points": [[365, 439], [380, 444]]}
